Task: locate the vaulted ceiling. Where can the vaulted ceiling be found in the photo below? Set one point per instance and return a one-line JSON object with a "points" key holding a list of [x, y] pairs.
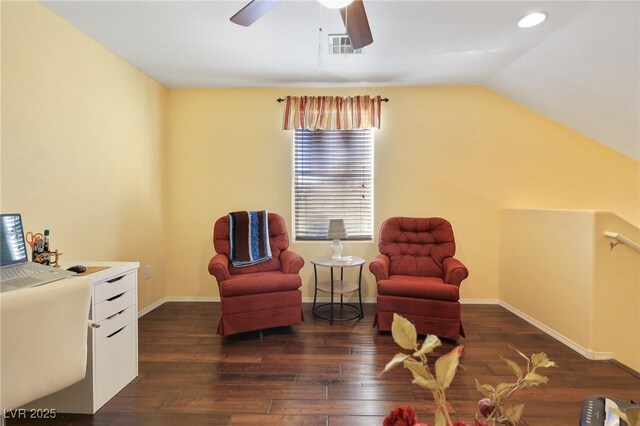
{"points": [[581, 67]]}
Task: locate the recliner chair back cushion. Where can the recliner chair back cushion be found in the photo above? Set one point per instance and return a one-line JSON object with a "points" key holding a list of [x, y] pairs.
{"points": [[278, 240], [416, 246]]}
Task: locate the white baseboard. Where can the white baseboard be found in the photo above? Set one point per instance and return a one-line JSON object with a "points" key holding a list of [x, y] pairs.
{"points": [[587, 353], [151, 307], [336, 299], [304, 300], [479, 301], [177, 299], [193, 298]]}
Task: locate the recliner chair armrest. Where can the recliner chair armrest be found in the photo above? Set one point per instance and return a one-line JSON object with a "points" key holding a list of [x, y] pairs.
{"points": [[379, 267], [219, 267], [291, 261], [454, 271]]}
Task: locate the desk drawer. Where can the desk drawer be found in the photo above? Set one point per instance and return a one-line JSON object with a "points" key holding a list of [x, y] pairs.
{"points": [[115, 322], [116, 362], [114, 286], [114, 305]]}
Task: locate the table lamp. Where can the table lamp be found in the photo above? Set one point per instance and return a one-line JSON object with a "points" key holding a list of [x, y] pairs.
{"points": [[336, 232]]}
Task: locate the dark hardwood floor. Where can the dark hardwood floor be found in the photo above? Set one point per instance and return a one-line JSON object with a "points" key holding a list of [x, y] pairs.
{"points": [[316, 374]]}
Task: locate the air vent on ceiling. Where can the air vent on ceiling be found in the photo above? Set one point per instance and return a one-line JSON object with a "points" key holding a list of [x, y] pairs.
{"points": [[340, 44]]}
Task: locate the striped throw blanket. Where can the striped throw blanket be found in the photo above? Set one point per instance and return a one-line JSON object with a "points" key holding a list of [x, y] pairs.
{"points": [[249, 237]]}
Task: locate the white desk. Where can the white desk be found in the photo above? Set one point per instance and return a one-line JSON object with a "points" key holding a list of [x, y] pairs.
{"points": [[112, 348]]}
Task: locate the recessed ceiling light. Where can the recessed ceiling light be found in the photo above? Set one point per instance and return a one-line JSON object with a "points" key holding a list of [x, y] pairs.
{"points": [[335, 4], [532, 19]]}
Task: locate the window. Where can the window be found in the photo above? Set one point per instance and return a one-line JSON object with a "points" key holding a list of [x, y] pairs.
{"points": [[333, 179]]}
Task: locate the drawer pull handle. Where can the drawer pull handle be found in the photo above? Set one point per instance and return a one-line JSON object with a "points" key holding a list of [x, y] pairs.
{"points": [[116, 314], [116, 332], [115, 297], [116, 279]]}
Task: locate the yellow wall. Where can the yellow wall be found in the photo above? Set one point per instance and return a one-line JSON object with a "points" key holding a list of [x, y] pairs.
{"points": [[82, 144], [616, 314], [462, 153], [121, 168], [557, 268], [547, 269]]}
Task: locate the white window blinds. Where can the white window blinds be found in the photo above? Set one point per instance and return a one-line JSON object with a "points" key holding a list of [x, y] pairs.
{"points": [[333, 179]]}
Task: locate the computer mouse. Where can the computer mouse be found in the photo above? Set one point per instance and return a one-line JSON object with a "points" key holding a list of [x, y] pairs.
{"points": [[78, 269]]}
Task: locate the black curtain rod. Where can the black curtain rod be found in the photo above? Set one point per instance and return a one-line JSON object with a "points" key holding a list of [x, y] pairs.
{"points": [[282, 100]]}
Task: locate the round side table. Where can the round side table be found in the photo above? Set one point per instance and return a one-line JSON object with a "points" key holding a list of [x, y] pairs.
{"points": [[340, 287]]}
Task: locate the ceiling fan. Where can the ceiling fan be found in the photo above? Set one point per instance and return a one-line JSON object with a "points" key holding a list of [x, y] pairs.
{"points": [[352, 11]]}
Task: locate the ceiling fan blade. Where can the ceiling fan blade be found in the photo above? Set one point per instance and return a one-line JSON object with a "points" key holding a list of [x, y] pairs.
{"points": [[355, 21], [253, 11]]}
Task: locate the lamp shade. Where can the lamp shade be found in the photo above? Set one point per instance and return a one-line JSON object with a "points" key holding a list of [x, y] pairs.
{"points": [[335, 4], [337, 229]]}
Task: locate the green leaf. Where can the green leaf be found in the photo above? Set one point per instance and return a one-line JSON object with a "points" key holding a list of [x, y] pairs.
{"points": [[404, 333], [620, 414], [515, 367], [633, 416], [541, 360], [504, 388], [514, 413], [417, 369], [521, 354], [446, 367], [486, 390], [440, 418], [395, 361], [429, 344], [430, 384], [534, 379]]}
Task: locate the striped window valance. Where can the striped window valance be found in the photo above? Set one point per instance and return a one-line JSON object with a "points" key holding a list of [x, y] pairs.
{"points": [[331, 112]]}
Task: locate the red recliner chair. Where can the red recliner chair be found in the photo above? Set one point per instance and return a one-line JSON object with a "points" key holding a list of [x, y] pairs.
{"points": [[418, 277], [259, 296]]}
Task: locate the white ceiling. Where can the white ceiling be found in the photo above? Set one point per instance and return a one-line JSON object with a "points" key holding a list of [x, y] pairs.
{"points": [[581, 67]]}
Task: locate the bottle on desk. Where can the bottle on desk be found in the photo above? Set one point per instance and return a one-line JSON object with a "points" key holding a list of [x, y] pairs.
{"points": [[41, 250], [46, 241]]}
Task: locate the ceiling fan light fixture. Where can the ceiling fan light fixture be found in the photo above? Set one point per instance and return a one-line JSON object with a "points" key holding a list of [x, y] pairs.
{"points": [[532, 19], [335, 4]]}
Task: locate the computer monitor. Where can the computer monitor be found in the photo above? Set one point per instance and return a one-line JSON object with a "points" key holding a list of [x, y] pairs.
{"points": [[12, 246]]}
